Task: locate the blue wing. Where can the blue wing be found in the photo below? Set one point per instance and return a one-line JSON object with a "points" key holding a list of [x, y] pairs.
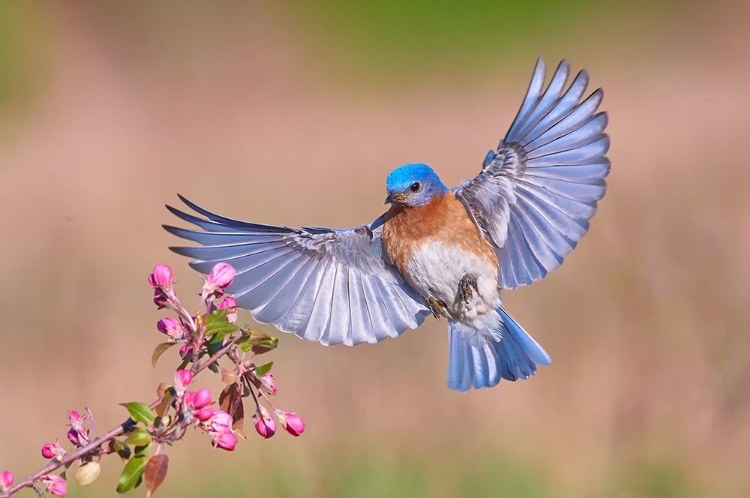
{"points": [[535, 196], [331, 286]]}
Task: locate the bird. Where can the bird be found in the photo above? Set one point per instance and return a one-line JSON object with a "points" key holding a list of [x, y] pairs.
{"points": [[437, 251]]}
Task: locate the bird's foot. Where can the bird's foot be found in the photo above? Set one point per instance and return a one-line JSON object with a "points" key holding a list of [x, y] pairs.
{"points": [[437, 307], [466, 288]]}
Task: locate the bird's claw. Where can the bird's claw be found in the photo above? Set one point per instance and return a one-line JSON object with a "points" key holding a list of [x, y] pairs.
{"points": [[466, 288], [436, 307]]}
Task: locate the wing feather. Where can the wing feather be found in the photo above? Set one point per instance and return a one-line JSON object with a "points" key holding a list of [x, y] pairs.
{"points": [[332, 286], [535, 196]]}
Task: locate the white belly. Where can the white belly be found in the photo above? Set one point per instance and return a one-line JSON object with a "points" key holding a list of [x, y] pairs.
{"points": [[436, 269]]}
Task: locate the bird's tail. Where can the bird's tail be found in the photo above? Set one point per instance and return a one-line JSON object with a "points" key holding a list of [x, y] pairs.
{"points": [[478, 360]]}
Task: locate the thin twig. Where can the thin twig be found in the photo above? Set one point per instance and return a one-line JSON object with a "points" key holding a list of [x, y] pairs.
{"points": [[121, 429]]}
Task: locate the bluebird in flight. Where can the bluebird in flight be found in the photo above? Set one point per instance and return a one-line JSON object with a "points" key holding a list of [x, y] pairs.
{"points": [[437, 251]]}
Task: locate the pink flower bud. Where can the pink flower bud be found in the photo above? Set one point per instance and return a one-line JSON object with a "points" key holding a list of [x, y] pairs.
{"points": [[47, 451], [6, 479], [218, 279], [51, 450], [204, 413], [55, 485], [220, 421], [265, 425], [172, 327], [268, 381], [198, 399], [182, 379], [291, 422], [221, 275], [160, 300], [185, 350], [230, 304], [201, 398], [161, 278], [73, 437], [226, 441], [75, 419]]}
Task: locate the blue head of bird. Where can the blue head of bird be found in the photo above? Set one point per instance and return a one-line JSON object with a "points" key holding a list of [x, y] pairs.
{"points": [[413, 185]]}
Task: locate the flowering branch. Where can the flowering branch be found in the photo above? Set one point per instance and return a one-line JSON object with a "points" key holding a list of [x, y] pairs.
{"points": [[211, 334]]}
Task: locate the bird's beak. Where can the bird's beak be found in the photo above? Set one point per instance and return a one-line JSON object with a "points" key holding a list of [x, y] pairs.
{"points": [[397, 197]]}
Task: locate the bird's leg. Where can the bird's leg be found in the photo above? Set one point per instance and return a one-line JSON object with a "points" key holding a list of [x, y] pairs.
{"points": [[466, 287], [437, 307]]}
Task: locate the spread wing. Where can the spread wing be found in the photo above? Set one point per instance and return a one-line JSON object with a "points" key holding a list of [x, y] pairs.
{"points": [[331, 286], [535, 196]]}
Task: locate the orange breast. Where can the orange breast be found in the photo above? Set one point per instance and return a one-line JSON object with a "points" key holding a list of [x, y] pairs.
{"points": [[443, 219]]}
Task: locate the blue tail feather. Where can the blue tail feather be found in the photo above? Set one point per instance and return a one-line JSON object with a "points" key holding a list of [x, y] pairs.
{"points": [[477, 361]]}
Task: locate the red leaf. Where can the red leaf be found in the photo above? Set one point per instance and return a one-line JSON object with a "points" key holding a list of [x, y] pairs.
{"points": [[155, 473], [230, 400]]}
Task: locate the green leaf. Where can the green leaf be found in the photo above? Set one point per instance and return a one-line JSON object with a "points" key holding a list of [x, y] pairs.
{"points": [[122, 449], [155, 473], [140, 412], [254, 335], [140, 450], [217, 315], [131, 474], [139, 437], [214, 344], [159, 350], [217, 324], [263, 369], [221, 329], [265, 345]]}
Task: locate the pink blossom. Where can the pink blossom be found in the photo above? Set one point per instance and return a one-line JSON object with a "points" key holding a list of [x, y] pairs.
{"points": [[226, 441], [6, 479], [204, 413], [198, 402], [265, 425], [220, 421], [161, 278], [52, 450], [218, 279], [182, 379], [230, 304], [172, 327], [201, 398], [55, 485], [291, 422], [268, 381]]}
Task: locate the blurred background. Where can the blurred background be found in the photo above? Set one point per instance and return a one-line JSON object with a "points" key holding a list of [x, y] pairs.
{"points": [[293, 112]]}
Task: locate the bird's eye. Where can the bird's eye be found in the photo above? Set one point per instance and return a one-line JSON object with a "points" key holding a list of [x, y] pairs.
{"points": [[415, 187]]}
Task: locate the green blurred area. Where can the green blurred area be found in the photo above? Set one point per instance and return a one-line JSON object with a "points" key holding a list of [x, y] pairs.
{"points": [[369, 476], [18, 51], [394, 41], [273, 111]]}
